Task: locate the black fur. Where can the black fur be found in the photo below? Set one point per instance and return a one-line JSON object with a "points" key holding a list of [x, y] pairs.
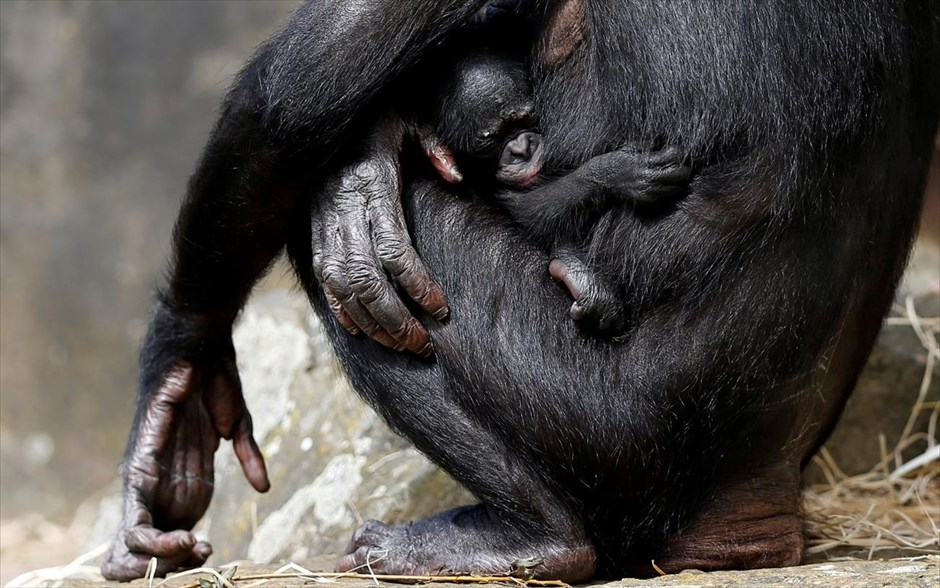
{"points": [[754, 302]]}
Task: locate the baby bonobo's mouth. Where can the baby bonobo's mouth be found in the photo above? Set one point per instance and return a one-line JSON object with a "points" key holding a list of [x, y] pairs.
{"points": [[521, 160]]}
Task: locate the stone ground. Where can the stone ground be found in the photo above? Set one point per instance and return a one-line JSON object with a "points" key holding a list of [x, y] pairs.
{"points": [[910, 572]]}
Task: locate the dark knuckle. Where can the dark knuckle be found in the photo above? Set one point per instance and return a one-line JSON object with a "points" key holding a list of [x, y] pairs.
{"points": [[371, 329], [369, 290], [404, 330], [400, 262], [391, 251], [331, 277]]}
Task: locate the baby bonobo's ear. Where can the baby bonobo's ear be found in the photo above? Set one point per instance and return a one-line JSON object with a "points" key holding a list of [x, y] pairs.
{"points": [[520, 162]]}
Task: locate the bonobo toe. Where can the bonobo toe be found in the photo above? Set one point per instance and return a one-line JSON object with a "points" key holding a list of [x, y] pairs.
{"points": [[602, 316], [372, 533], [596, 308]]}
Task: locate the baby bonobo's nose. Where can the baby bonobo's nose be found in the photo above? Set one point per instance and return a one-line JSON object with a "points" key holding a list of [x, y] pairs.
{"points": [[520, 149]]}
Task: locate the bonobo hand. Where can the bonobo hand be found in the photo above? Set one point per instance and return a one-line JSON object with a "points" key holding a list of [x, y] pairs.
{"points": [[596, 308], [361, 244], [168, 472], [640, 176]]}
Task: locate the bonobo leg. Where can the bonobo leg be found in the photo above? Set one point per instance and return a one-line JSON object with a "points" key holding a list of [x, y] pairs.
{"points": [[587, 457], [521, 525]]}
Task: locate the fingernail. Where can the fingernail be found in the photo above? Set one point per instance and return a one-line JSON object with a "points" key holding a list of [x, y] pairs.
{"points": [[441, 314], [455, 176]]}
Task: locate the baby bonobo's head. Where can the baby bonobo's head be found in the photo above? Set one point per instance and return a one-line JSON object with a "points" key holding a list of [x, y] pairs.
{"points": [[485, 114]]}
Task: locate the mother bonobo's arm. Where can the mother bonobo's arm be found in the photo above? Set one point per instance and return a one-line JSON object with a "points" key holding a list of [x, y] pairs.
{"points": [[286, 112]]}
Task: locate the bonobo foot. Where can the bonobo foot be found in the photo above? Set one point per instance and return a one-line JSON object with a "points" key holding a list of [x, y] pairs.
{"points": [[466, 540], [642, 177], [596, 307], [751, 522]]}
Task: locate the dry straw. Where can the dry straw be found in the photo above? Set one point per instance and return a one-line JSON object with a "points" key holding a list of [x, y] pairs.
{"points": [[895, 506]]}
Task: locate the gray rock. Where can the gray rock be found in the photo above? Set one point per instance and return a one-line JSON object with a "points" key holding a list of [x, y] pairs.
{"points": [[332, 462]]}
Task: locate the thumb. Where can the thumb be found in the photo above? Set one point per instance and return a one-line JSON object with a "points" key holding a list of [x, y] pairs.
{"points": [[249, 455]]}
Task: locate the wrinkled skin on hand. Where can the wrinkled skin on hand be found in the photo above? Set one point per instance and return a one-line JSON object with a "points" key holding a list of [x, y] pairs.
{"points": [[168, 473], [362, 249]]}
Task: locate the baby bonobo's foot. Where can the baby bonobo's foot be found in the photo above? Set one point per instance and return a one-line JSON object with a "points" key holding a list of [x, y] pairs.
{"points": [[596, 307], [466, 540], [643, 177]]}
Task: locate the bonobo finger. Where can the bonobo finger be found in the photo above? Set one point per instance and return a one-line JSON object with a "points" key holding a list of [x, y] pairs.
{"points": [[198, 556], [335, 284], [224, 399], [249, 455], [332, 273], [156, 543], [341, 315], [666, 156], [671, 171], [564, 271], [440, 156], [401, 261], [316, 243], [375, 293], [160, 422], [394, 318], [393, 247], [364, 320]]}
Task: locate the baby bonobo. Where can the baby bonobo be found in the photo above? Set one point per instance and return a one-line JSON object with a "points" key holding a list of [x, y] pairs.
{"points": [[485, 113]]}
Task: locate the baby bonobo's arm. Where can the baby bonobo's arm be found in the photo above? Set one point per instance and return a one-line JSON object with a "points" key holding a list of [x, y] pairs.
{"points": [[626, 176], [642, 179]]}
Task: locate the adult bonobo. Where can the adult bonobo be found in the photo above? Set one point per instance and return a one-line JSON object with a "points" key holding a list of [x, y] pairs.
{"points": [[753, 301]]}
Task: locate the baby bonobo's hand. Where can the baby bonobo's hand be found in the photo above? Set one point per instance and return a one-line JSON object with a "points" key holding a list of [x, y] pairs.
{"points": [[641, 177], [596, 307]]}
